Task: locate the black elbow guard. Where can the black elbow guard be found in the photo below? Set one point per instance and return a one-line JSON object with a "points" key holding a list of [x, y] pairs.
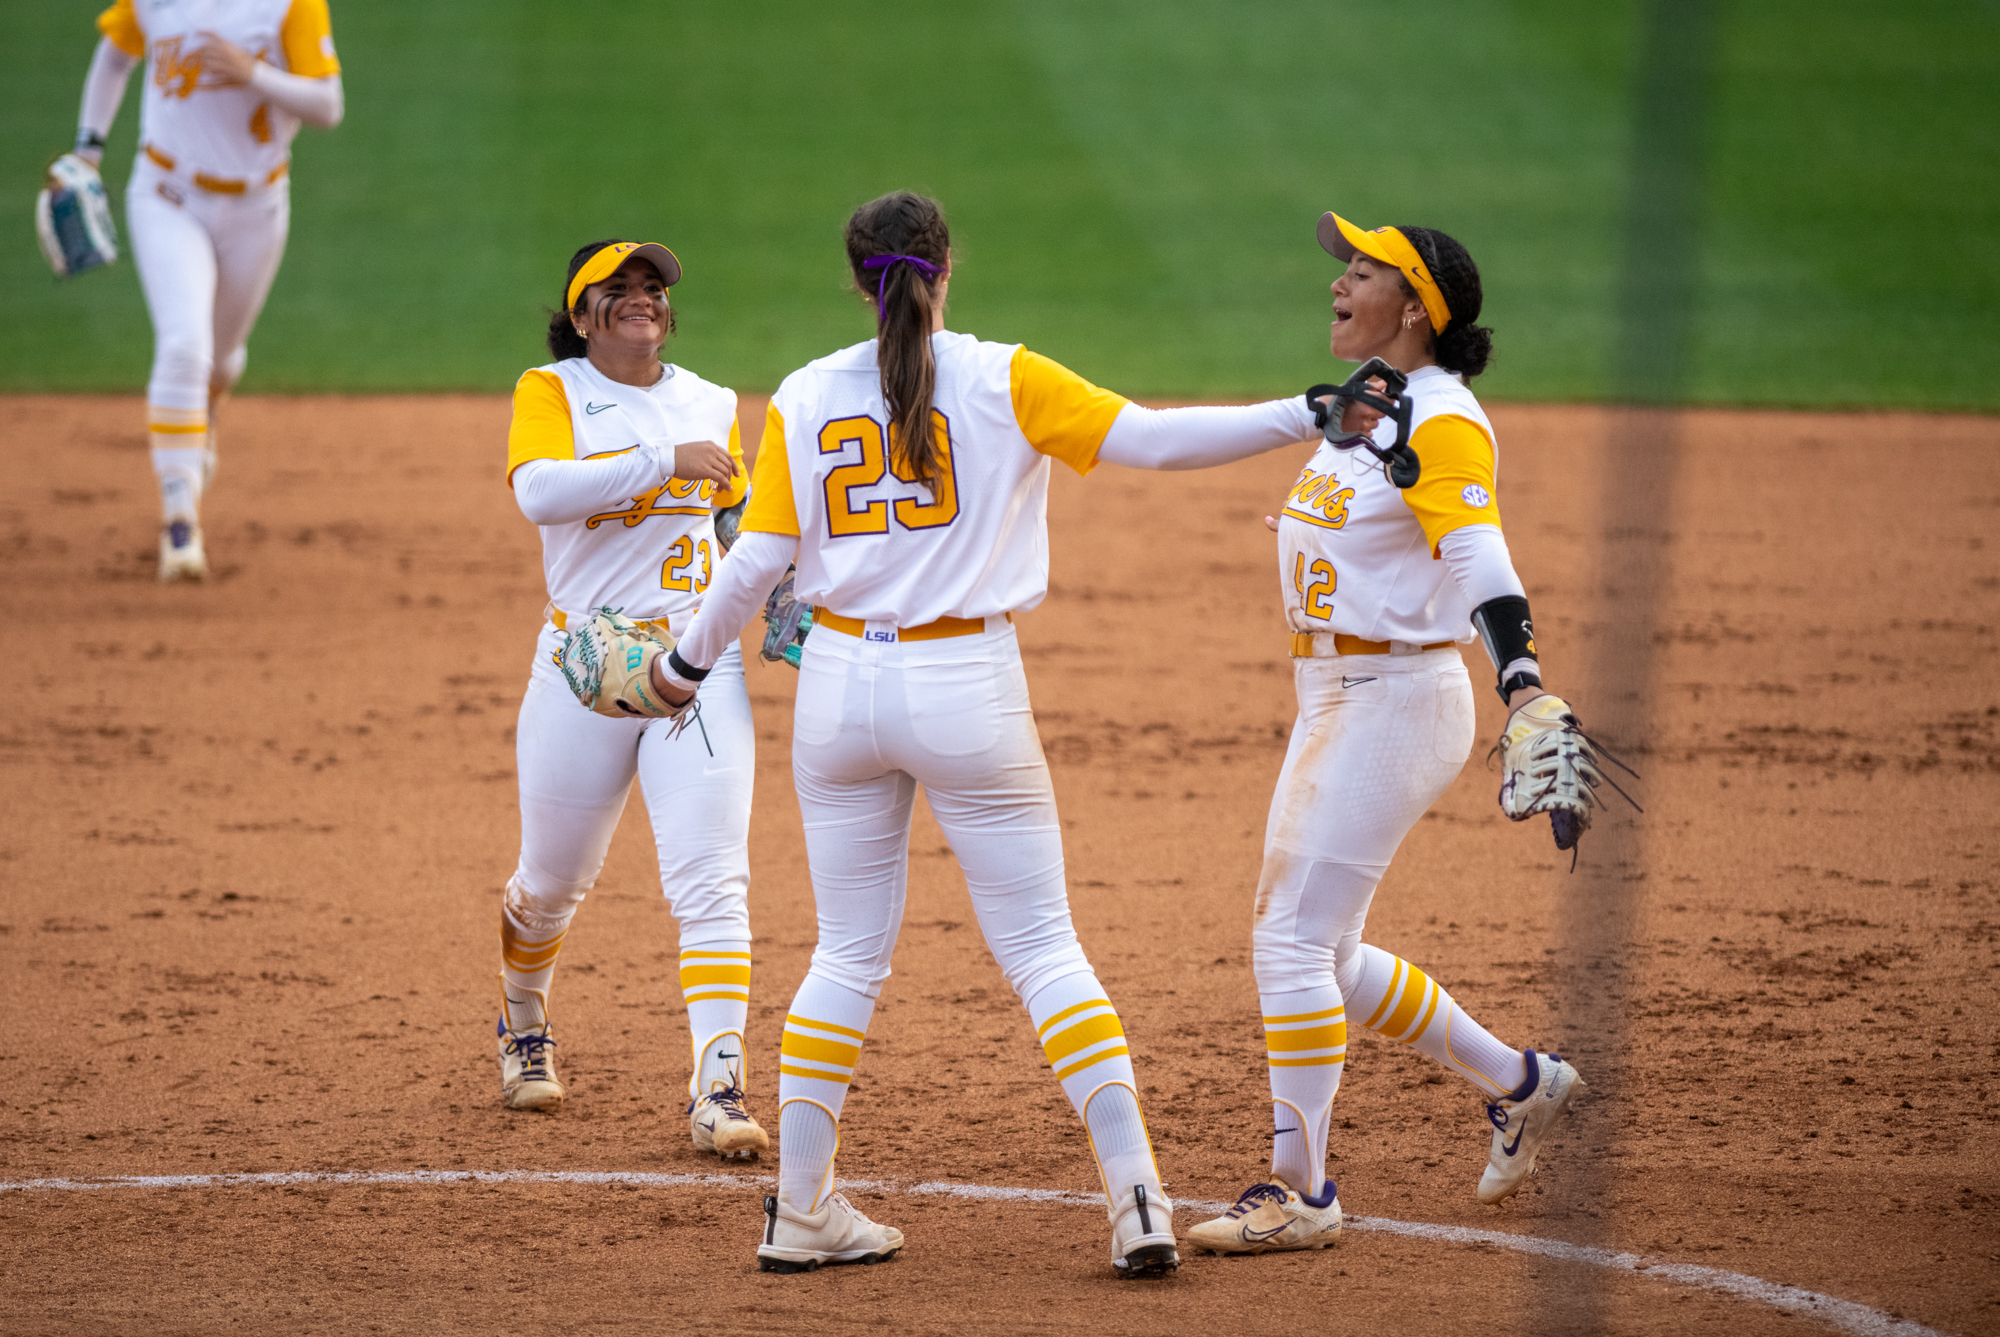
{"points": [[1508, 631]]}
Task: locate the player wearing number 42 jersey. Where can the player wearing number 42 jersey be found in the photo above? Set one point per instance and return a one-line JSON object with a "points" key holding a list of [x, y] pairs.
{"points": [[617, 457], [227, 85], [908, 479], [1391, 553]]}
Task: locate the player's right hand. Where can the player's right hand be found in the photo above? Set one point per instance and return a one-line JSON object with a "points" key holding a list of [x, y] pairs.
{"points": [[704, 461]]}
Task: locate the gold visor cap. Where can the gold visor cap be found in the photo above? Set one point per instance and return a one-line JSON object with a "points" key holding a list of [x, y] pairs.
{"points": [[1343, 241], [606, 262]]}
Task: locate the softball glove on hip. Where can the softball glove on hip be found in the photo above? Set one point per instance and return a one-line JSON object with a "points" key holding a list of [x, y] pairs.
{"points": [[608, 664], [1549, 766]]}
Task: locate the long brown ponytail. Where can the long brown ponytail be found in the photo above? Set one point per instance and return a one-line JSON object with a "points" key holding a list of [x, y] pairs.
{"points": [[904, 235]]}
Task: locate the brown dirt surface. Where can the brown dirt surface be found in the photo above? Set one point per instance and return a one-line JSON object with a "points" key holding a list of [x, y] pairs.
{"points": [[256, 833]]}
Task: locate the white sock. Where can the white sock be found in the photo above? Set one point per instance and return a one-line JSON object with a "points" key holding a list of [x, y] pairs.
{"points": [[719, 1064], [1118, 1136], [178, 469], [808, 1137], [529, 941], [1390, 996], [1305, 1044]]}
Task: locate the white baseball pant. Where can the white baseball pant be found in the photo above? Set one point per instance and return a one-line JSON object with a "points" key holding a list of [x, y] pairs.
{"points": [[1379, 738], [206, 262]]}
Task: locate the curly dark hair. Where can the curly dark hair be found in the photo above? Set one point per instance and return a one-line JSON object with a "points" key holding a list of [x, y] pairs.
{"points": [[904, 223], [1462, 346], [564, 341]]}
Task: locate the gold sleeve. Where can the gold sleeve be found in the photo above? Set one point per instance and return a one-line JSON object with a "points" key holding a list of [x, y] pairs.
{"points": [[771, 509], [541, 429], [1455, 488], [121, 25], [1063, 416], [726, 497], [307, 38]]}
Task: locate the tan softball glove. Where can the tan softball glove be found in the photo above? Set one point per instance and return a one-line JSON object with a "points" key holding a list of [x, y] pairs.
{"points": [[1548, 765], [608, 663]]}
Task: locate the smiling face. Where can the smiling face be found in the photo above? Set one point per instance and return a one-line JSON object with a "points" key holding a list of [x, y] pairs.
{"points": [[1370, 309], [626, 312]]}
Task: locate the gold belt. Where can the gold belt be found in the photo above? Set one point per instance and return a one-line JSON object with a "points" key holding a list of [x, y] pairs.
{"points": [[560, 621], [218, 185], [1302, 645], [930, 631]]}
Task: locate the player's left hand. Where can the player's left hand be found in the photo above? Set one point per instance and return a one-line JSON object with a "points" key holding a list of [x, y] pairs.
{"points": [[1548, 766], [225, 62], [704, 461]]}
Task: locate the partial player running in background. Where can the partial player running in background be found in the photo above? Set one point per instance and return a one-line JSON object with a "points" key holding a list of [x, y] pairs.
{"points": [[614, 455], [908, 478], [227, 85], [1390, 554]]}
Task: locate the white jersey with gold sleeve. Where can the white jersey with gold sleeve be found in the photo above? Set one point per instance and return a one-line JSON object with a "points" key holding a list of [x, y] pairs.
{"points": [[650, 555], [876, 547], [223, 139], [1359, 555]]}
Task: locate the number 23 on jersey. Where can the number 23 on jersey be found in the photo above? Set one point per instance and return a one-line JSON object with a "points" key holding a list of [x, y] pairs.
{"points": [[848, 514]]}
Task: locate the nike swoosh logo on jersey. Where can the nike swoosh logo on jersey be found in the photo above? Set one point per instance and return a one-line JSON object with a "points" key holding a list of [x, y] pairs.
{"points": [[597, 408], [1354, 682]]}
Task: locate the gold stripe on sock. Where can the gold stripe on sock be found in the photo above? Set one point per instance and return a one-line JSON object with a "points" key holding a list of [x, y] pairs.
{"points": [[1307, 1016], [793, 1019], [1082, 1034], [1322, 1061], [1090, 1059], [1437, 996], [1311, 1037], [1417, 987], [1394, 976], [788, 1070]]}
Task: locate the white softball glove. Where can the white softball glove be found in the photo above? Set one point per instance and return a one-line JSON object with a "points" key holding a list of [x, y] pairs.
{"points": [[73, 218], [608, 663], [1548, 765]]}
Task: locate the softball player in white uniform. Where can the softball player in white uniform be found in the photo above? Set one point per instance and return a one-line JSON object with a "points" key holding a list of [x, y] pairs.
{"points": [[917, 553], [614, 455], [1381, 583], [227, 85]]}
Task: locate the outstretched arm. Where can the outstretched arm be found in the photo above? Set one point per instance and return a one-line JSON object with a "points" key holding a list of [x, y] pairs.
{"points": [[1200, 438], [743, 581], [103, 91], [556, 492]]}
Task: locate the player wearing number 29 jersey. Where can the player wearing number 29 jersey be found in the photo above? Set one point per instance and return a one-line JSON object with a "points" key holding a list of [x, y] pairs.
{"points": [[618, 458], [891, 550], [908, 479]]}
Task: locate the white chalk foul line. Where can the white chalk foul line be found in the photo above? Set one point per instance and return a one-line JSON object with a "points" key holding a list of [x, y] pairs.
{"points": [[1842, 1315]]}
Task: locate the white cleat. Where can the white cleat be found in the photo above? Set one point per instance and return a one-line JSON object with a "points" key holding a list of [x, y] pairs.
{"points": [[181, 555], [1520, 1122], [719, 1123], [806, 1241], [528, 1078], [1272, 1217], [1142, 1233]]}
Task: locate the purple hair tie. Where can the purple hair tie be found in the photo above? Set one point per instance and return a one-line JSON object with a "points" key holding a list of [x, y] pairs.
{"points": [[882, 262]]}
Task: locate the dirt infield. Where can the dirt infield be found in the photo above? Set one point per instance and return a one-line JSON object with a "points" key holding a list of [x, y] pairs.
{"points": [[256, 833]]}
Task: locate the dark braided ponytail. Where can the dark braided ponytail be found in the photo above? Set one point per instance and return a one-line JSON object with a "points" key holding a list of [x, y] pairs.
{"points": [[1462, 346], [904, 224]]}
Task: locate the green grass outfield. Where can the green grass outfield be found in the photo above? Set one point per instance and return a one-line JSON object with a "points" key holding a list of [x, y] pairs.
{"points": [[1132, 186]]}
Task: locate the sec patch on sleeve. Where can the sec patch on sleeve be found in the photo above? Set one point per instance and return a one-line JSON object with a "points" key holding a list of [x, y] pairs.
{"points": [[1475, 496]]}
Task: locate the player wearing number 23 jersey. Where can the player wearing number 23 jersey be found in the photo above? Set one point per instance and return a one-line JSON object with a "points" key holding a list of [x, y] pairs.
{"points": [[619, 459], [908, 479]]}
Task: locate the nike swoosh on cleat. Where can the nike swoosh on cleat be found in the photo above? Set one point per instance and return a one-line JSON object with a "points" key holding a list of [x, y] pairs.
{"points": [[710, 1126], [1259, 1236], [1509, 1147], [597, 408]]}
